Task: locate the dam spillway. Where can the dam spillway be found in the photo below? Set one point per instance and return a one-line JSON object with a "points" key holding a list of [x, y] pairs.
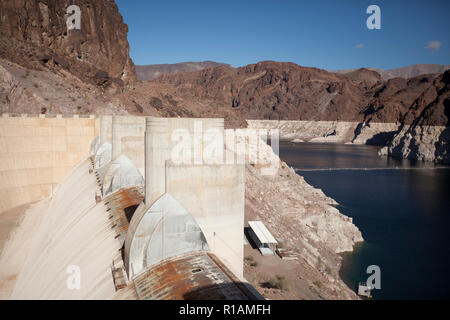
{"points": [[77, 224], [75, 231]]}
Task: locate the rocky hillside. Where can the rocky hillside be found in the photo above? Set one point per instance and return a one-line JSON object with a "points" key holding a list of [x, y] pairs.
{"points": [[34, 34], [272, 90], [154, 71], [36, 92], [286, 91], [392, 100]]}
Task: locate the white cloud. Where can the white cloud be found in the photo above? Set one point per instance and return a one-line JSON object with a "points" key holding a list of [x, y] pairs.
{"points": [[434, 45], [359, 46]]}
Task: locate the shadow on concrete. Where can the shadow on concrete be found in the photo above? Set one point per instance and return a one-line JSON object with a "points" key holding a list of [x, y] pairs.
{"points": [[129, 212], [228, 291]]}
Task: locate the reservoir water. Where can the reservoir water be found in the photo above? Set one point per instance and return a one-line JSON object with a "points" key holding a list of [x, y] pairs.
{"points": [[401, 207]]}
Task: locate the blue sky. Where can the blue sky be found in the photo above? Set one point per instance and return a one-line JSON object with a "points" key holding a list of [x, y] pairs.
{"points": [[321, 33]]}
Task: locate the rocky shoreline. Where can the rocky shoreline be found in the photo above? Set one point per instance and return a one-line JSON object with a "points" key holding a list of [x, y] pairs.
{"points": [[413, 142], [425, 143]]}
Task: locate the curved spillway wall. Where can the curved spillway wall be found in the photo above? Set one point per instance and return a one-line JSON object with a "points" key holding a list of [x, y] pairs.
{"points": [[163, 231], [121, 173], [37, 153], [75, 235]]}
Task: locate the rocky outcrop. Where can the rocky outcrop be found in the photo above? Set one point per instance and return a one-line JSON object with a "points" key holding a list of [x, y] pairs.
{"points": [[25, 91], [374, 133], [420, 131], [308, 209], [425, 139], [425, 143], [34, 34]]}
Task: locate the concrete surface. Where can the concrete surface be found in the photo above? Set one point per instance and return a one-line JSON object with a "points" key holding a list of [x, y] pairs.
{"points": [[159, 145], [128, 139], [121, 173], [214, 196], [37, 153], [73, 231]]}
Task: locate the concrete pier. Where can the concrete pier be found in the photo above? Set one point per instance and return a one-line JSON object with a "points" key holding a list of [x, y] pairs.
{"points": [[213, 194], [128, 139], [162, 135]]}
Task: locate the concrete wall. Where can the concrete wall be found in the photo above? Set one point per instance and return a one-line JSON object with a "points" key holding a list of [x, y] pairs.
{"points": [[214, 196], [105, 129], [37, 153], [159, 147], [75, 235], [128, 139]]}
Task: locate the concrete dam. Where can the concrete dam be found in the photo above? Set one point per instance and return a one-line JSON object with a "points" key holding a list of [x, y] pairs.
{"points": [[105, 209]]}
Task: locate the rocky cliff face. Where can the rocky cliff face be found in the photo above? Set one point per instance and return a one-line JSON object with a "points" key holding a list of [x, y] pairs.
{"points": [[423, 139], [425, 143], [34, 34]]}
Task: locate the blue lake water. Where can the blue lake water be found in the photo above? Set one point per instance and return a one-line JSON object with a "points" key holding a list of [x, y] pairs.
{"points": [[401, 207]]}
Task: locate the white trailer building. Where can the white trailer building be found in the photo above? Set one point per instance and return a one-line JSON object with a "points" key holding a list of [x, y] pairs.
{"points": [[262, 237]]}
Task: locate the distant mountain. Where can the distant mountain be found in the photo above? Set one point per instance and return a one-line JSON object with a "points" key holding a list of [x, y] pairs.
{"points": [[364, 75], [151, 72], [405, 72], [287, 91]]}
